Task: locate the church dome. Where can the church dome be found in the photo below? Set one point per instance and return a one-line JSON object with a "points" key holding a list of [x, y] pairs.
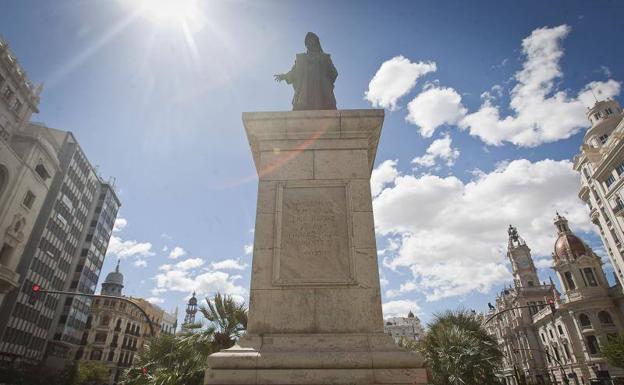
{"points": [[115, 277], [410, 314], [567, 243]]}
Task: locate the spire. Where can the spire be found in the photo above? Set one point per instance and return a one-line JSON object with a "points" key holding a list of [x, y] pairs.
{"points": [[117, 268]]}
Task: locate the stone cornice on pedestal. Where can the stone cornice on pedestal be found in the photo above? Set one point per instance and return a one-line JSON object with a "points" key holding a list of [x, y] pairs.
{"points": [[300, 130]]}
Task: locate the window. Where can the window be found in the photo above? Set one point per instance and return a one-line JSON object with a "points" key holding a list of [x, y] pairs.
{"points": [[584, 321], [96, 355], [592, 344], [605, 318], [543, 337], [100, 337], [556, 353], [29, 199], [560, 329], [603, 138], [620, 169], [566, 351], [105, 320], [42, 172], [610, 180], [569, 280], [589, 274], [551, 333], [609, 111]]}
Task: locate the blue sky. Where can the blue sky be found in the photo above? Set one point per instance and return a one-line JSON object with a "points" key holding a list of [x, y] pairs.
{"points": [[158, 106]]}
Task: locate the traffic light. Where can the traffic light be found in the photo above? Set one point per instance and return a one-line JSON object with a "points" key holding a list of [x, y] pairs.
{"points": [[145, 371], [551, 303], [35, 293]]}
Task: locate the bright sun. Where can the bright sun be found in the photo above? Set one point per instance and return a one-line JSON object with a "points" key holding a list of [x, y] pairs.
{"points": [[187, 12]]}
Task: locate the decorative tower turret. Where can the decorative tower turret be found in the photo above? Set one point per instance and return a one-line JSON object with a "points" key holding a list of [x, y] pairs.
{"points": [[191, 310], [579, 269], [113, 283], [519, 254]]}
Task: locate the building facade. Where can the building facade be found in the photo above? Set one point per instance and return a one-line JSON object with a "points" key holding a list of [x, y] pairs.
{"points": [[28, 163], [116, 331], [408, 328], [557, 337], [601, 164], [52, 258]]}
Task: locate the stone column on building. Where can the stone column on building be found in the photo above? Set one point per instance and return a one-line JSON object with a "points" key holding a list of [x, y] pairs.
{"points": [[315, 312]]}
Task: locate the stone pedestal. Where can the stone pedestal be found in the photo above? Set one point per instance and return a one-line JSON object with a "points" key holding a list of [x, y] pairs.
{"points": [[315, 304]]}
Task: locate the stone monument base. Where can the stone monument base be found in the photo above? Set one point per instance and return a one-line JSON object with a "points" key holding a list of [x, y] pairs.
{"points": [[315, 359]]}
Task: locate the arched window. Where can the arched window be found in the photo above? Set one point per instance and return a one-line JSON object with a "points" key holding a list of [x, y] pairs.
{"points": [[605, 318], [592, 344], [118, 326], [569, 280], [584, 320]]}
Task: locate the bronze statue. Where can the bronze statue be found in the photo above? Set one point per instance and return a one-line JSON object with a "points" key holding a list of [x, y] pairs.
{"points": [[312, 77]]}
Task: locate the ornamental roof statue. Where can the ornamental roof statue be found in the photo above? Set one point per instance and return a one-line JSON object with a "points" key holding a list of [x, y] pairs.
{"points": [[312, 77]]}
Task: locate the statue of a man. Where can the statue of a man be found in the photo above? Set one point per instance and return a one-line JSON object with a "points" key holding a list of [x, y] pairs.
{"points": [[312, 77]]}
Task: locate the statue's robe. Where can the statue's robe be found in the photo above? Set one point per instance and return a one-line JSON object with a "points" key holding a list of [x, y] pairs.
{"points": [[313, 77]]}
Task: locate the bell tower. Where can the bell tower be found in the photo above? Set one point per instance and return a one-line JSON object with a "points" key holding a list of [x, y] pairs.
{"points": [[519, 254]]}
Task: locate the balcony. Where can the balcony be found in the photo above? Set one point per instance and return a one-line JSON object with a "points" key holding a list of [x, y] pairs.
{"points": [[594, 216]]}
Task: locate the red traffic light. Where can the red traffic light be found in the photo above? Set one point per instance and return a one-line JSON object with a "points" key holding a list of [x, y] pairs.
{"points": [[36, 287]]}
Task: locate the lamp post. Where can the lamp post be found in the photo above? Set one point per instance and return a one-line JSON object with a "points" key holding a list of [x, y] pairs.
{"points": [[563, 373]]}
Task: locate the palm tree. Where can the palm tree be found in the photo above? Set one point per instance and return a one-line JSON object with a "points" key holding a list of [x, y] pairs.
{"points": [[460, 351], [181, 359], [227, 318]]}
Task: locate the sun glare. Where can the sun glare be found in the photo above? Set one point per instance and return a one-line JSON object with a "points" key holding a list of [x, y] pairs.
{"points": [[187, 12]]}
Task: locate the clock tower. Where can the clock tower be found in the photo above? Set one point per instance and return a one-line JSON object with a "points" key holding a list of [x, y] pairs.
{"points": [[519, 254]]}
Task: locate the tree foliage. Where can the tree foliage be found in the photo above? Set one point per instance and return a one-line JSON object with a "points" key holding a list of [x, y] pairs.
{"points": [[181, 359], [614, 351], [90, 373], [459, 350]]}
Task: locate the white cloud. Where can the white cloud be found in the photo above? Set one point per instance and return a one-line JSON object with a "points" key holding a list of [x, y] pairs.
{"points": [[439, 149], [395, 78], [434, 107], [204, 283], [120, 224], [140, 263], [453, 234], [155, 300], [131, 248], [539, 111], [188, 264], [399, 308], [177, 252], [545, 263], [229, 264], [248, 249], [383, 174]]}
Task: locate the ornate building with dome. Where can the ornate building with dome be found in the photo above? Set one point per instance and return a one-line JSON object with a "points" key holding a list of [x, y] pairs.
{"points": [[116, 331], [546, 335], [601, 166], [408, 328]]}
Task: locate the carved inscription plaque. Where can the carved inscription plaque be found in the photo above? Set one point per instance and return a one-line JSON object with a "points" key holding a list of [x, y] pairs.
{"points": [[313, 242]]}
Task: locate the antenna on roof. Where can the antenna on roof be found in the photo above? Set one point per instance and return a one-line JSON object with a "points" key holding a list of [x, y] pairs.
{"points": [[595, 98]]}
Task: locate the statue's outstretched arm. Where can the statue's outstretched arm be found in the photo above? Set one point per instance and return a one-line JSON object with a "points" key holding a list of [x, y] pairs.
{"points": [[289, 77]]}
